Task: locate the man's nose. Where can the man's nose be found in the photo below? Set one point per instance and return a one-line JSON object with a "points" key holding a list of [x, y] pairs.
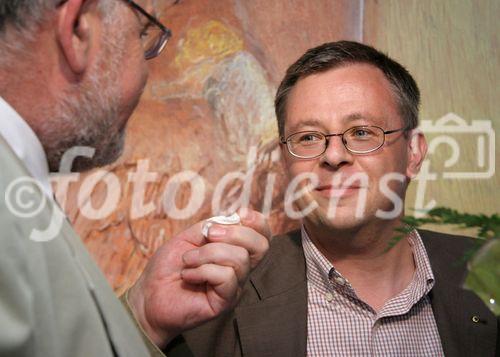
{"points": [[336, 153]]}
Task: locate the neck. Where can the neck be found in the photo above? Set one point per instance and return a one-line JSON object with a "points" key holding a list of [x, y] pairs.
{"points": [[362, 255]]}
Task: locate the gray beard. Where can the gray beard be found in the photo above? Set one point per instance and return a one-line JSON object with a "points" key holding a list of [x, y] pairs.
{"points": [[89, 114]]}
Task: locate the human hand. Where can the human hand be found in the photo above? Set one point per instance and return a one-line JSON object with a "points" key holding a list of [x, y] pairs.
{"points": [[192, 279]]}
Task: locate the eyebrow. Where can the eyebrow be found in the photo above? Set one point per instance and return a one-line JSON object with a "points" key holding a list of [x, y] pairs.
{"points": [[356, 116], [316, 122], [307, 122]]}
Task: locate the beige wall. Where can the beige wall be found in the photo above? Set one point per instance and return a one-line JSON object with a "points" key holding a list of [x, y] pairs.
{"points": [[451, 48]]}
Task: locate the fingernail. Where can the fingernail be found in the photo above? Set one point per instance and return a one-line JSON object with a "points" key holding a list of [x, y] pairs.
{"points": [[216, 231], [190, 256]]}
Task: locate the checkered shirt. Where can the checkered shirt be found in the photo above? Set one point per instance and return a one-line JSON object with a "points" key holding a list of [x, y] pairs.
{"points": [[340, 324]]}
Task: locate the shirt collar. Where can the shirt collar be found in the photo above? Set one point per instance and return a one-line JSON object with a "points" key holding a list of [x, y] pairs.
{"points": [[323, 275], [318, 267], [25, 144], [423, 269]]}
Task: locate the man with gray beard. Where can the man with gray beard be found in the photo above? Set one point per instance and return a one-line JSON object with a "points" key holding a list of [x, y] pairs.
{"points": [[71, 74]]}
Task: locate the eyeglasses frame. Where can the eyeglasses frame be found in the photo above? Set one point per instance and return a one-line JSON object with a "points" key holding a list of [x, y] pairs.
{"points": [[286, 141], [166, 32]]}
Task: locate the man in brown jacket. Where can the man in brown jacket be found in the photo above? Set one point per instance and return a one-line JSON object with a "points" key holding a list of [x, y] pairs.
{"points": [[347, 117]]}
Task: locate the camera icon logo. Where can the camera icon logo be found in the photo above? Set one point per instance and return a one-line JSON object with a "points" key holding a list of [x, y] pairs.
{"points": [[453, 131]]}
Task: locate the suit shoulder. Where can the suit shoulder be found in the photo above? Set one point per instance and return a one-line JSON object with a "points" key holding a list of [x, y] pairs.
{"points": [[289, 239], [453, 244], [447, 255]]}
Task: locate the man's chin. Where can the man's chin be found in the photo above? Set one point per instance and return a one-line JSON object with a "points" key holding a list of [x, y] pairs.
{"points": [[343, 219], [105, 154], [342, 214]]}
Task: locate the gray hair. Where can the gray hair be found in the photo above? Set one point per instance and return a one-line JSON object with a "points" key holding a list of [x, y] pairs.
{"points": [[337, 54], [22, 13], [20, 21]]}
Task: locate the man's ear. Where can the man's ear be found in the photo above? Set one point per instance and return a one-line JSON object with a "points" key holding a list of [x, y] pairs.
{"points": [[417, 149], [74, 35]]}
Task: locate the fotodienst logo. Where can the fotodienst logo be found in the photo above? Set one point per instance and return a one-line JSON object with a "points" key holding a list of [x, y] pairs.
{"points": [[466, 150]]}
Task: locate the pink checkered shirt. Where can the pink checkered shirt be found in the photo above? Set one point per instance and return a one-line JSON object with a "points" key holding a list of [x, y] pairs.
{"points": [[340, 324]]}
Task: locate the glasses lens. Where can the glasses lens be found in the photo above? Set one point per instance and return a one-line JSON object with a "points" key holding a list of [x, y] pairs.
{"points": [[362, 139], [154, 41], [306, 144]]}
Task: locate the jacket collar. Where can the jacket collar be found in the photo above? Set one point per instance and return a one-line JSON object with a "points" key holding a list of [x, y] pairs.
{"points": [[25, 144]]}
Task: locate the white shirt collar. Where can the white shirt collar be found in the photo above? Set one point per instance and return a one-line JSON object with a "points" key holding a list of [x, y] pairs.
{"points": [[25, 144]]}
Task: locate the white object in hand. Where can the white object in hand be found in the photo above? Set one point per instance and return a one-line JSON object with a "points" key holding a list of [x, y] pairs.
{"points": [[226, 220]]}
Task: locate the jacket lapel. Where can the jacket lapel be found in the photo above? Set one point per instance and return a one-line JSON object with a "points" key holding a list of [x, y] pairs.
{"points": [[277, 323], [123, 336], [466, 326], [276, 326]]}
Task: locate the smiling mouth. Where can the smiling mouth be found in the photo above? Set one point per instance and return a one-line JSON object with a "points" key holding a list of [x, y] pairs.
{"points": [[338, 191]]}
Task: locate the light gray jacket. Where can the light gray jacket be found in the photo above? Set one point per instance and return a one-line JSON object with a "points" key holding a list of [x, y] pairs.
{"points": [[54, 301]]}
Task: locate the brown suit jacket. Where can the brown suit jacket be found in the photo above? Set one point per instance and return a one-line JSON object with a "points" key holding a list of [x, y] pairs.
{"points": [[271, 317]]}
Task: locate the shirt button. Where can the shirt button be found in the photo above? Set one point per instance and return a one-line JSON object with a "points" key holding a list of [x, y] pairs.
{"points": [[329, 297], [339, 280]]}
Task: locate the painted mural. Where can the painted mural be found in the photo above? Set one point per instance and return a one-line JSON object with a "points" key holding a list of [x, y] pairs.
{"points": [[204, 138]]}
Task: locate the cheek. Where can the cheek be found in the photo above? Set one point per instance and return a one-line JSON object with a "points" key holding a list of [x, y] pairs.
{"points": [[386, 162], [136, 66], [143, 77], [376, 170], [297, 167], [381, 178], [134, 81]]}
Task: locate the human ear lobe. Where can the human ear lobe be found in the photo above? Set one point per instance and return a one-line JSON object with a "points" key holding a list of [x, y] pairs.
{"points": [[417, 149], [74, 35]]}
